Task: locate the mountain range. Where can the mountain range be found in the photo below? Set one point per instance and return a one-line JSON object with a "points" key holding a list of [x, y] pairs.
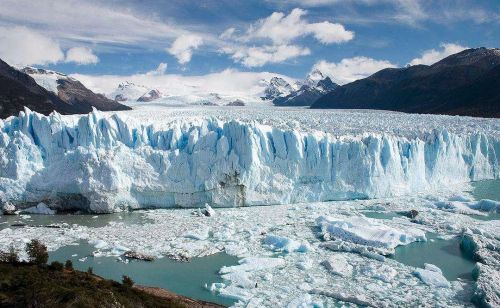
{"points": [[300, 93], [466, 83], [45, 91]]}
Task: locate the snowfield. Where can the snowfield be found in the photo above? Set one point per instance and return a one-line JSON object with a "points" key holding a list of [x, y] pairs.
{"points": [[159, 157]]}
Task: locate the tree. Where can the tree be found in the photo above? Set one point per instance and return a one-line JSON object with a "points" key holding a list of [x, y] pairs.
{"points": [[68, 265], [56, 266], [90, 271], [37, 252], [10, 256], [127, 281]]}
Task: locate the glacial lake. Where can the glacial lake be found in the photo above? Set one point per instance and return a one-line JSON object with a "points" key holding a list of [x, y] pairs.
{"points": [[189, 278], [185, 278]]}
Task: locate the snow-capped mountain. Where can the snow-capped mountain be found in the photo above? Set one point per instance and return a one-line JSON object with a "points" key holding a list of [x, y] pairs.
{"points": [[277, 87], [128, 91], [150, 96], [71, 91], [46, 91], [301, 93]]}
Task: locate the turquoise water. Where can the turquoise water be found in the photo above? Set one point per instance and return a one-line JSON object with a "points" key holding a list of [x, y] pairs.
{"points": [[380, 215], [445, 254], [488, 189], [185, 278], [129, 218]]}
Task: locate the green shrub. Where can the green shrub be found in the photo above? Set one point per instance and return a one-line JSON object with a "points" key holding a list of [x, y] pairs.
{"points": [[68, 265], [37, 252], [56, 266]]}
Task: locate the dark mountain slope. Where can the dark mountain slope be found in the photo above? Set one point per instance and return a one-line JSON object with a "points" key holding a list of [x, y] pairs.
{"points": [[18, 89], [466, 83]]}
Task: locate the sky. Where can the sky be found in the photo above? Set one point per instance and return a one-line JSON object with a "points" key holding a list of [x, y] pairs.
{"points": [[346, 40]]}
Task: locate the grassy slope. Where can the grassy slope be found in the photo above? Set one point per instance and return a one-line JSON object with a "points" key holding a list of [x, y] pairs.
{"points": [[24, 285]]}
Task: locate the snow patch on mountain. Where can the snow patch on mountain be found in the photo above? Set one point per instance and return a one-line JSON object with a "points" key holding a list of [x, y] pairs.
{"points": [[45, 78]]}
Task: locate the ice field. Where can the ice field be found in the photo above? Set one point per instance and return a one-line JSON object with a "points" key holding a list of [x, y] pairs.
{"points": [[316, 205]]}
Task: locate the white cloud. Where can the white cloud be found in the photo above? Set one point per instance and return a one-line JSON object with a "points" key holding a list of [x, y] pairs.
{"points": [[228, 33], [81, 55], [282, 29], [183, 47], [228, 83], [351, 69], [252, 49], [22, 46], [159, 71], [259, 56], [432, 56]]}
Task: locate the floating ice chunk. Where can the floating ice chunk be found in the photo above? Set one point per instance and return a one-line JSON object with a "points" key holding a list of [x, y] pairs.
{"points": [[304, 264], [486, 205], [202, 233], [338, 265], [360, 230], [209, 211], [285, 244], [240, 279], [304, 301], [432, 275], [252, 264], [40, 209], [99, 244], [8, 208]]}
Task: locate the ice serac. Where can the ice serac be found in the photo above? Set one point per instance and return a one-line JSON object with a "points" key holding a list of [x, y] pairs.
{"points": [[104, 162]]}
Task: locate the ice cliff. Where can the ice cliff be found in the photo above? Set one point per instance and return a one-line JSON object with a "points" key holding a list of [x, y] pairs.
{"points": [[104, 162]]}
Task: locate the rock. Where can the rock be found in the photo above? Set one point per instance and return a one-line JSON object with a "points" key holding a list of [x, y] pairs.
{"points": [[138, 256], [237, 102], [150, 96]]}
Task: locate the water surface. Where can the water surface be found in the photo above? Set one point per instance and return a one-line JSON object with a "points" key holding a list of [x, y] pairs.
{"points": [[445, 254], [185, 278]]}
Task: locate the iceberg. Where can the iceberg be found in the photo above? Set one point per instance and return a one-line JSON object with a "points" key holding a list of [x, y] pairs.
{"points": [[107, 162], [367, 232]]}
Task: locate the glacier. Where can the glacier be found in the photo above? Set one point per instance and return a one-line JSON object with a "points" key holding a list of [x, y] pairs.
{"points": [[106, 162]]}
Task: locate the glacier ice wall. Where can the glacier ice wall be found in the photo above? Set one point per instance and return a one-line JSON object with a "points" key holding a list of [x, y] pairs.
{"points": [[102, 163]]}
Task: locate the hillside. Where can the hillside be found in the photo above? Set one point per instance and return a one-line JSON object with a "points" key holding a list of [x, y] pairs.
{"points": [[466, 83]]}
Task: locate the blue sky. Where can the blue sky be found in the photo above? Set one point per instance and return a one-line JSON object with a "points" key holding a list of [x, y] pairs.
{"points": [[349, 39]]}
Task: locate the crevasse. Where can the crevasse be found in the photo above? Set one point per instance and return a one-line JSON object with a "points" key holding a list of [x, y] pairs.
{"points": [[102, 163]]}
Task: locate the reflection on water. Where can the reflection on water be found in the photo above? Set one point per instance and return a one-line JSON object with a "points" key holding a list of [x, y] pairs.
{"points": [[185, 278], [445, 254], [94, 221]]}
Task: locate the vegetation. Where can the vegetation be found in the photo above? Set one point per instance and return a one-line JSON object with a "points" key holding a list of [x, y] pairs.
{"points": [[68, 265], [37, 252], [36, 284], [127, 281]]}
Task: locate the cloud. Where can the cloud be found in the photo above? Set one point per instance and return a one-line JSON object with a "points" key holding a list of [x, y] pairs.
{"points": [[351, 69], [270, 40], [182, 48], [228, 83], [282, 29], [81, 55], [159, 71], [432, 56], [260, 56], [22, 46], [103, 22]]}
